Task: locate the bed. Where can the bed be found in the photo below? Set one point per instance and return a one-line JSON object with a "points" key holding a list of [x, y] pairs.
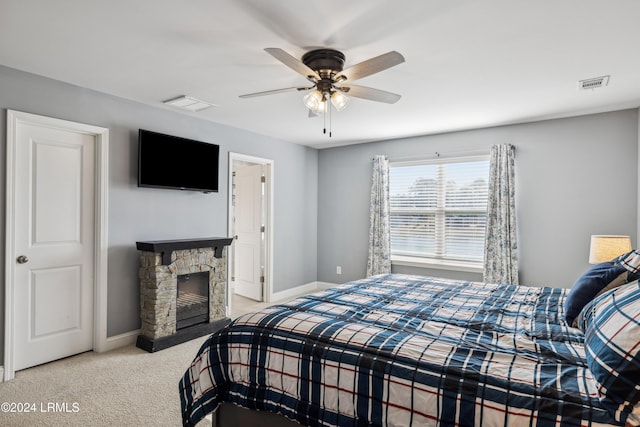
{"points": [[400, 350]]}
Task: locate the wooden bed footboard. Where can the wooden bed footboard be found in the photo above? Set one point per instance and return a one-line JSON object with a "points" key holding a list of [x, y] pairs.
{"points": [[230, 415]]}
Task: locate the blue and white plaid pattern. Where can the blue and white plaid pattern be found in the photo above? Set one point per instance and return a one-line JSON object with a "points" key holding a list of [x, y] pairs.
{"points": [[630, 261], [612, 340], [398, 350]]}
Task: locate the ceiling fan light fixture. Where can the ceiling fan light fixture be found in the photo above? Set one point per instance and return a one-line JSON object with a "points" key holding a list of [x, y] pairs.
{"points": [[325, 69], [324, 106], [339, 100], [314, 100]]}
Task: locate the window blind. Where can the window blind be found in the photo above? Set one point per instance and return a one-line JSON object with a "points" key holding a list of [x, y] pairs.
{"points": [[438, 209]]}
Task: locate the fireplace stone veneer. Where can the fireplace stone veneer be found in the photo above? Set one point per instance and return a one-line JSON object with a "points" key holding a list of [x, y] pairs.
{"points": [[161, 262]]}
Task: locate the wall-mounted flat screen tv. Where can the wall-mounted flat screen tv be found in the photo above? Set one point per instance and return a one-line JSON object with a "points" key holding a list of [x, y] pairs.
{"points": [[166, 161]]}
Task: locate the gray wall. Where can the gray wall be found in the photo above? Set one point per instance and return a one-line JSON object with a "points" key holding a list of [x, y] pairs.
{"points": [[152, 214], [575, 177]]}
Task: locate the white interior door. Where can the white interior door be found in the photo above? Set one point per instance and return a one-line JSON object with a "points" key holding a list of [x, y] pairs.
{"points": [[248, 231], [53, 273]]}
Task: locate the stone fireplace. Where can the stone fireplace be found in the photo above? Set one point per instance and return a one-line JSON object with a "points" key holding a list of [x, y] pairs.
{"points": [[183, 286]]}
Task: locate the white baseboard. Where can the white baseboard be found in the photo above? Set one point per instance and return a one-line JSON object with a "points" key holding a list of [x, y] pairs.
{"points": [[300, 290], [325, 285], [121, 340], [294, 292]]}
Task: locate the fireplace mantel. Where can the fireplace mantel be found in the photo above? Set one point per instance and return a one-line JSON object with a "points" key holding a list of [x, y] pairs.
{"points": [[165, 247]]}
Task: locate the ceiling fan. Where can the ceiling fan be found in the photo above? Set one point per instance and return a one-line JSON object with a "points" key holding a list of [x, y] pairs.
{"points": [[324, 68]]}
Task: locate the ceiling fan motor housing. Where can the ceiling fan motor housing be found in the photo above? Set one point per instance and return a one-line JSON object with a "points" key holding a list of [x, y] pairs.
{"points": [[324, 61]]}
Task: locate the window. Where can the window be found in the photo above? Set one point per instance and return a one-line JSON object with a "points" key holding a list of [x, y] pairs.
{"points": [[438, 211]]}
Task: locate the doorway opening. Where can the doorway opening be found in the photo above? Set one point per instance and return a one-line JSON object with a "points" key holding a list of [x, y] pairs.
{"points": [[251, 224]]}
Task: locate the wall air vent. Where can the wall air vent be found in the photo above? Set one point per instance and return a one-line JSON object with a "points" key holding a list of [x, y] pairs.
{"points": [[594, 83]]}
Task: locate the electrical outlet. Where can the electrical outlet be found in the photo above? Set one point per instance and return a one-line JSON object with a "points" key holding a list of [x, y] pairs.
{"points": [[338, 270]]}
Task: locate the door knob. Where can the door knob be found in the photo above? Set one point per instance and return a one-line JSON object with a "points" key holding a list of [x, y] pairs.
{"points": [[22, 259]]}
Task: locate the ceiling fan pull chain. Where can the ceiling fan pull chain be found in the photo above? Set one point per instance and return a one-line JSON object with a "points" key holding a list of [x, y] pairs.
{"points": [[329, 107], [324, 120]]}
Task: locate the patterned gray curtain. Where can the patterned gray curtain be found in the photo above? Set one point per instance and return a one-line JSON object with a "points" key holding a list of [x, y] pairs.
{"points": [[501, 244], [379, 261]]}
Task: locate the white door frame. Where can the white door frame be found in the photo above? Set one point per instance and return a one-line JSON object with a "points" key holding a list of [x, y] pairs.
{"points": [[267, 289], [101, 137]]}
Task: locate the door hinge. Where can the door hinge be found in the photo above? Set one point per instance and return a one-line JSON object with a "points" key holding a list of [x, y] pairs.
{"points": [[233, 279], [263, 178], [262, 228], [261, 279]]}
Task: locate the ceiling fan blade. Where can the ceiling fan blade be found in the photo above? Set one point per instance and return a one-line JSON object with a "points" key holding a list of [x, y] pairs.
{"points": [[373, 65], [371, 94], [292, 62], [271, 92]]}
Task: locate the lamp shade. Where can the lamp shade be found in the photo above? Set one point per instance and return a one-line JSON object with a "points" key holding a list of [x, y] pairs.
{"points": [[606, 247]]}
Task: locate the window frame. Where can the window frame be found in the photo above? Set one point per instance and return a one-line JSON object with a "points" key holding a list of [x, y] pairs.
{"points": [[440, 215]]}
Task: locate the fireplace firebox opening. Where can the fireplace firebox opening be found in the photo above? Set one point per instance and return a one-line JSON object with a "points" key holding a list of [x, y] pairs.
{"points": [[192, 303]]}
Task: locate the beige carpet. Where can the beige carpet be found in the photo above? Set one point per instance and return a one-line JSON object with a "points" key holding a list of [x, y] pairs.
{"points": [[120, 388], [123, 387]]}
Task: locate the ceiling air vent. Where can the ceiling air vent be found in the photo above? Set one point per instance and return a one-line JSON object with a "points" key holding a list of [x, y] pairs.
{"points": [[594, 83], [189, 103]]}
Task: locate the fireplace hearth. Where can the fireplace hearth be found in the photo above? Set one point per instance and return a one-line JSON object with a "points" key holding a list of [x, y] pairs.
{"points": [[183, 286]]}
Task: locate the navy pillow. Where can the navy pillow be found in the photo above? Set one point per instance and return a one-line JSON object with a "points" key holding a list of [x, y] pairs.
{"points": [[590, 284]]}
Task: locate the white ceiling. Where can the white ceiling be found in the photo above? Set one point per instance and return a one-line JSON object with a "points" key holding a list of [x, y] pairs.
{"points": [[469, 63]]}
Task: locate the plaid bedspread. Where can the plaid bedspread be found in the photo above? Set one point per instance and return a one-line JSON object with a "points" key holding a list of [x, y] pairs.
{"points": [[397, 350]]}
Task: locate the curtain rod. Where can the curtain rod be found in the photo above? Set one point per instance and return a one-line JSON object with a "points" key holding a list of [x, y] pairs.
{"points": [[437, 154]]}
